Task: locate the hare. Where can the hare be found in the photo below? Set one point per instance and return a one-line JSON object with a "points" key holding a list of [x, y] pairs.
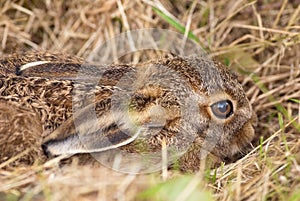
{"points": [[191, 106]]}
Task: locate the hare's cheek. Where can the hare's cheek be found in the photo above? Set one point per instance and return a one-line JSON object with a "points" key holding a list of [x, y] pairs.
{"points": [[243, 138]]}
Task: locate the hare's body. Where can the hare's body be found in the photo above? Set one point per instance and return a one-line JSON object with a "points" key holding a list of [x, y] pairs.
{"points": [[190, 104]]}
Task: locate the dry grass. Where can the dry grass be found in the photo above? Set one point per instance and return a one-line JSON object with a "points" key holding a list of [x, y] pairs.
{"points": [[261, 40]]}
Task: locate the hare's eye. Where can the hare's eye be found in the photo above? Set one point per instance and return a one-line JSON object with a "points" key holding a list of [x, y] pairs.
{"points": [[222, 109]]}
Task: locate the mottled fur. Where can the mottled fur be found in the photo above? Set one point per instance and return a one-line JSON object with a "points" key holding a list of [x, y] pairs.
{"points": [[171, 97]]}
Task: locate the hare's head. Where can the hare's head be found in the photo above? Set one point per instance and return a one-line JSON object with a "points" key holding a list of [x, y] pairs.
{"points": [[193, 105]]}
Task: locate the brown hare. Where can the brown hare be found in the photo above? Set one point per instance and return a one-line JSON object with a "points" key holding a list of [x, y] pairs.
{"points": [[192, 106]]}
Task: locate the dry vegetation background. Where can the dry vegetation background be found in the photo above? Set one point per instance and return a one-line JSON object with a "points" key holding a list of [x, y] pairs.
{"points": [[260, 39]]}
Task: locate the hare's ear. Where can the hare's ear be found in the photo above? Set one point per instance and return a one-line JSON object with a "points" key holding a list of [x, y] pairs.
{"points": [[87, 133]]}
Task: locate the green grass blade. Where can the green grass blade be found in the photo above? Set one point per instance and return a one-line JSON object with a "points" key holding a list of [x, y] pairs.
{"points": [[295, 100], [176, 25], [278, 106]]}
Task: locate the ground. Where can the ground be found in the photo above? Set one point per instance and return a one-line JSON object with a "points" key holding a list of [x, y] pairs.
{"points": [[258, 39]]}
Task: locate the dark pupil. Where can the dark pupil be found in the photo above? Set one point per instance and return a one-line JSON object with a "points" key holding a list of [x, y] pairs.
{"points": [[222, 106], [222, 109]]}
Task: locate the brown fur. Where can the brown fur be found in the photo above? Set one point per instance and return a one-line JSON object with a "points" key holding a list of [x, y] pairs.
{"points": [[20, 129], [48, 91]]}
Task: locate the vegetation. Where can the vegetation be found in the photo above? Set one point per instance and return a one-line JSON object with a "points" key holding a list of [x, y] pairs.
{"points": [[259, 39]]}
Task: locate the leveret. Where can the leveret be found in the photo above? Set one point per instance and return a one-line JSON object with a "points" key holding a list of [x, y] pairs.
{"points": [[192, 106]]}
